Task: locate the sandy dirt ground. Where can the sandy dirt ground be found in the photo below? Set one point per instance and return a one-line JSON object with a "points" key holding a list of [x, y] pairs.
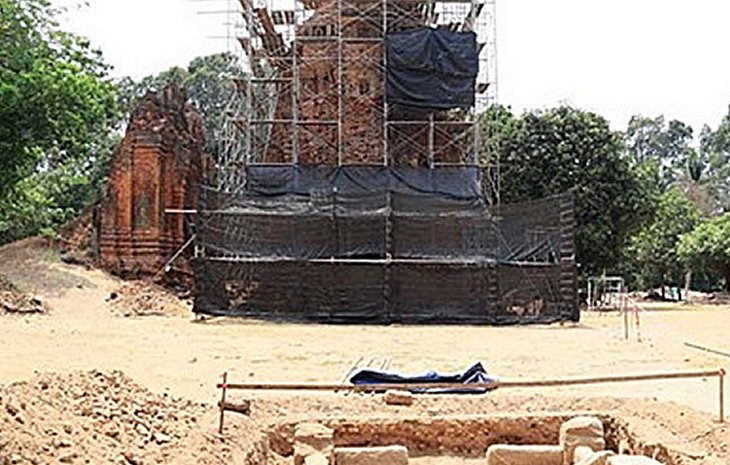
{"points": [[146, 361], [85, 330]]}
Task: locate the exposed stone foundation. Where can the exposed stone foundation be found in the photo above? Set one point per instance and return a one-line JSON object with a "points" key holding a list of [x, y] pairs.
{"points": [[519, 437]]}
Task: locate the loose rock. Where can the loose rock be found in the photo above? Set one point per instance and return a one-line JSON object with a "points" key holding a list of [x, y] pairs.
{"points": [[398, 398]]}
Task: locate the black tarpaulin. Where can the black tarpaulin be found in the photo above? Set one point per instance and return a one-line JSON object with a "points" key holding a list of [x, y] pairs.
{"points": [[432, 68], [381, 244], [454, 183]]}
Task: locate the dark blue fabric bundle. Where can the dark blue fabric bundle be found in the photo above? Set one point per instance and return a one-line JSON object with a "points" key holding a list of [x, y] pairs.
{"points": [[474, 374]]}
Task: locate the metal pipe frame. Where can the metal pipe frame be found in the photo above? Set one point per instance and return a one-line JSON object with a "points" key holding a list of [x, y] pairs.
{"points": [[270, 41]]}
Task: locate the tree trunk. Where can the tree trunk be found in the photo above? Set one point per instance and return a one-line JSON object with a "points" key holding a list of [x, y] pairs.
{"points": [[664, 294], [679, 289], [687, 284], [727, 278]]}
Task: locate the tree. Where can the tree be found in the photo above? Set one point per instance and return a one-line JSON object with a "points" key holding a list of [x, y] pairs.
{"points": [[694, 180], [715, 146], [565, 149], [57, 107], [708, 246], [664, 146], [654, 138], [653, 250]]}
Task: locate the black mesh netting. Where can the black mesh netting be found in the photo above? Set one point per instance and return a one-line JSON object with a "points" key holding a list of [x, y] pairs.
{"points": [[382, 244]]}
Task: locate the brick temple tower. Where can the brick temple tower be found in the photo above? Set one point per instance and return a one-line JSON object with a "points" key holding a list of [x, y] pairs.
{"points": [[353, 183], [157, 168]]}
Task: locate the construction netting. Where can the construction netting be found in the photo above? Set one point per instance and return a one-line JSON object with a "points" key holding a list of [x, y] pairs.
{"points": [[382, 244]]}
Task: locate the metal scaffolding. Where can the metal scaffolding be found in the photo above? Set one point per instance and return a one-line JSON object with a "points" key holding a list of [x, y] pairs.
{"points": [[356, 181], [312, 88]]}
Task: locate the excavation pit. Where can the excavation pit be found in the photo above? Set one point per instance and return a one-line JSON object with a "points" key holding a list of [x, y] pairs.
{"points": [[453, 440]]}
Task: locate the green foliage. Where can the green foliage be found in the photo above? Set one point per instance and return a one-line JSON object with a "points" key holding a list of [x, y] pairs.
{"points": [[708, 246], [715, 146], [565, 149], [667, 146], [56, 111], [653, 250], [207, 79]]}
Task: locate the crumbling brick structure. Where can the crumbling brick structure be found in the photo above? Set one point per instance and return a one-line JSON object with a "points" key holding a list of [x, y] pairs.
{"points": [[156, 173]]}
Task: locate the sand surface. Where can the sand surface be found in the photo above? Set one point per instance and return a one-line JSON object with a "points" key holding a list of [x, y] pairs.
{"points": [[86, 330]]}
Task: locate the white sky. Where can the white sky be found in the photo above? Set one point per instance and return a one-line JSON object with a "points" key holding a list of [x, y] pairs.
{"points": [[618, 58]]}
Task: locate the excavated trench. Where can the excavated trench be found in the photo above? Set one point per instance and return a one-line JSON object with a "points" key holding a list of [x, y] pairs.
{"points": [[460, 440]]}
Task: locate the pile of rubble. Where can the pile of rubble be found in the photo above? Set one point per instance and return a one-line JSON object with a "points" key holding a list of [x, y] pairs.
{"points": [[91, 417], [13, 301], [142, 298]]}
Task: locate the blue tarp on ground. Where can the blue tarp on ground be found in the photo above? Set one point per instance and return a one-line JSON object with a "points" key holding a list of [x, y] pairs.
{"points": [[474, 374], [432, 68]]}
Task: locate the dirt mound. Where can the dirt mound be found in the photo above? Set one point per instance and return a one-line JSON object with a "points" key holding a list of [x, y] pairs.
{"points": [[14, 301], [141, 298], [6, 285], [96, 417]]}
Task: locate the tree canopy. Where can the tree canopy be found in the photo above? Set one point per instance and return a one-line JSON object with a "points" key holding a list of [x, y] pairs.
{"points": [[654, 248], [665, 146], [565, 149], [715, 146], [56, 110], [708, 246]]}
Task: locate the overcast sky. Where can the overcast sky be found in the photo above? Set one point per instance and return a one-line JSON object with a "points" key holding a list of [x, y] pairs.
{"points": [[618, 58]]}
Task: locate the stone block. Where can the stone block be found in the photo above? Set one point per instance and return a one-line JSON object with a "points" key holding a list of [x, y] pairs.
{"points": [[398, 398], [501, 454], [594, 458], [314, 434], [581, 431], [381, 455], [312, 440], [316, 458], [581, 453], [632, 460]]}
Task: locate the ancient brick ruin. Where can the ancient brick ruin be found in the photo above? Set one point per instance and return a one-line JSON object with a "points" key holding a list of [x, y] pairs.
{"points": [[156, 173]]}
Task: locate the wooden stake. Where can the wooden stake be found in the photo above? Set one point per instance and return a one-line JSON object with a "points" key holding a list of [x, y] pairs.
{"points": [[224, 387], [721, 376], [637, 321]]}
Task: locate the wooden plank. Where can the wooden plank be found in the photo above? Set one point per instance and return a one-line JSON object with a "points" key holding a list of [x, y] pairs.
{"points": [[474, 386]]}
